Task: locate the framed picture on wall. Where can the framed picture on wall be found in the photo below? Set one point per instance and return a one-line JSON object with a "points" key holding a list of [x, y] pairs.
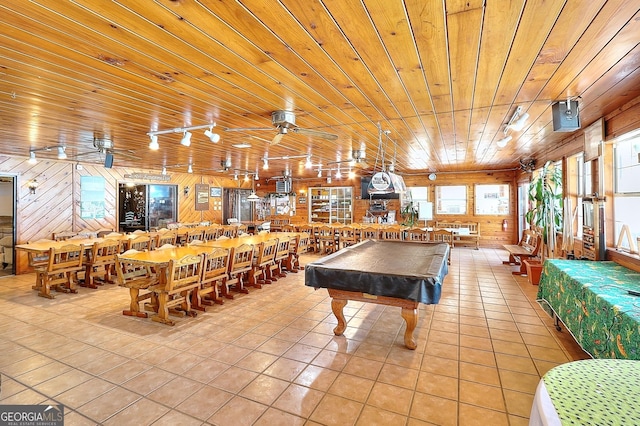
{"points": [[593, 138], [215, 191]]}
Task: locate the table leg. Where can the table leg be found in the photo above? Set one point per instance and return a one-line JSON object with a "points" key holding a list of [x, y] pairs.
{"points": [[134, 306], [336, 307], [411, 318]]}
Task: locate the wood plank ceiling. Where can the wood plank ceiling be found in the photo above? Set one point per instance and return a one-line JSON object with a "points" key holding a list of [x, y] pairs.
{"points": [[428, 85]]}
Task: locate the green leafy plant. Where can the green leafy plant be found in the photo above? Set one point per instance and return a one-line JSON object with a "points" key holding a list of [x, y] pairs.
{"points": [[545, 200], [409, 214]]}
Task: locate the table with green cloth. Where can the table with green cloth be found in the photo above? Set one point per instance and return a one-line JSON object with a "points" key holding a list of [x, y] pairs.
{"points": [[592, 301], [589, 392]]}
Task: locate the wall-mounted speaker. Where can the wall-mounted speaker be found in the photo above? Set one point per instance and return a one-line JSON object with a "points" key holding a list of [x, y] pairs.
{"points": [[108, 160], [566, 116]]}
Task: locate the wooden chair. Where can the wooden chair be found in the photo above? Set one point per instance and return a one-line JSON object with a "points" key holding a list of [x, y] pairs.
{"points": [[214, 275], [241, 263], [326, 239], [141, 243], [211, 233], [242, 229], [63, 236], [278, 269], [181, 236], [102, 256], [263, 262], [298, 247], [136, 277], [417, 234], [443, 236], [392, 233], [230, 231], [194, 234], [183, 277], [347, 237], [61, 270], [369, 233], [161, 239], [308, 229]]}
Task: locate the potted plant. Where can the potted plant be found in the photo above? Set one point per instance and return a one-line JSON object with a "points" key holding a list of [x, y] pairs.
{"points": [[545, 201], [409, 214]]}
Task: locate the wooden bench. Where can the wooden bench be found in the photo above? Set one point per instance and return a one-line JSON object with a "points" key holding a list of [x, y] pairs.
{"points": [[528, 247], [463, 232]]}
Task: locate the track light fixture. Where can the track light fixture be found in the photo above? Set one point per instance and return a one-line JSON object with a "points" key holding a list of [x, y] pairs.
{"points": [[265, 165], [32, 158], [213, 137], [308, 163], [62, 155], [164, 171], [186, 139], [516, 122], [153, 145], [190, 168]]}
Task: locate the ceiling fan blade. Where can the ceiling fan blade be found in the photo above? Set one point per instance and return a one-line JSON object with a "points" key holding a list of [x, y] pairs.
{"points": [[277, 138], [317, 133]]}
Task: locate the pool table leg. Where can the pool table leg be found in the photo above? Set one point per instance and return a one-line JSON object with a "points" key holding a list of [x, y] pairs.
{"points": [[336, 307], [411, 318]]}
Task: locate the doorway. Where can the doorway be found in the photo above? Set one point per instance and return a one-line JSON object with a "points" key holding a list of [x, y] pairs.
{"points": [[7, 224], [236, 205]]}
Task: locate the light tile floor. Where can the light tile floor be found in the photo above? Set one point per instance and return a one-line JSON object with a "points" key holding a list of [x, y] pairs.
{"points": [[270, 357]]}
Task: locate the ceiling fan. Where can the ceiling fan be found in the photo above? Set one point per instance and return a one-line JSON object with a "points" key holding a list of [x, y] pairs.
{"points": [[104, 145], [285, 122]]}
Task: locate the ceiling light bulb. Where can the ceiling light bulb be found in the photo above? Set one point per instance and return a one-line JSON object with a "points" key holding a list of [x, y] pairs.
{"points": [[32, 158], [62, 155], [153, 145], [213, 137], [164, 171], [265, 166], [338, 174], [308, 164], [256, 177], [319, 172], [190, 169], [504, 141], [246, 177], [186, 139]]}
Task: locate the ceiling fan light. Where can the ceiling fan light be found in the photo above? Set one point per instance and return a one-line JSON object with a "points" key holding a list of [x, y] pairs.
{"points": [[32, 158], [186, 139], [62, 155], [154, 145], [504, 141], [213, 137]]}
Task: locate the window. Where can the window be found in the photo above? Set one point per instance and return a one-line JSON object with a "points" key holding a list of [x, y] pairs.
{"points": [[626, 198], [451, 199], [492, 199], [575, 190]]}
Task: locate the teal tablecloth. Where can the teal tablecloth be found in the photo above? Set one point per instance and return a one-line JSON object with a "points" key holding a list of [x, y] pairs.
{"points": [[591, 299]]}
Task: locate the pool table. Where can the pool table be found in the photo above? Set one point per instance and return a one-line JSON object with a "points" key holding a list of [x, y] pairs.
{"points": [[395, 273]]}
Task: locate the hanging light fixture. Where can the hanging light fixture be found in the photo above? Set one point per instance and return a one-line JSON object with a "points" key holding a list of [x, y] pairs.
{"points": [[186, 139], [253, 197], [62, 155], [153, 144]]}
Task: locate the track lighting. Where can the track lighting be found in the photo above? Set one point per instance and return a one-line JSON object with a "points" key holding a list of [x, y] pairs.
{"points": [[164, 171], [32, 158], [235, 176], [255, 175], [189, 168], [520, 122], [265, 166], [186, 139], [153, 145], [319, 173], [213, 137], [308, 164], [246, 177], [516, 122], [62, 155]]}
